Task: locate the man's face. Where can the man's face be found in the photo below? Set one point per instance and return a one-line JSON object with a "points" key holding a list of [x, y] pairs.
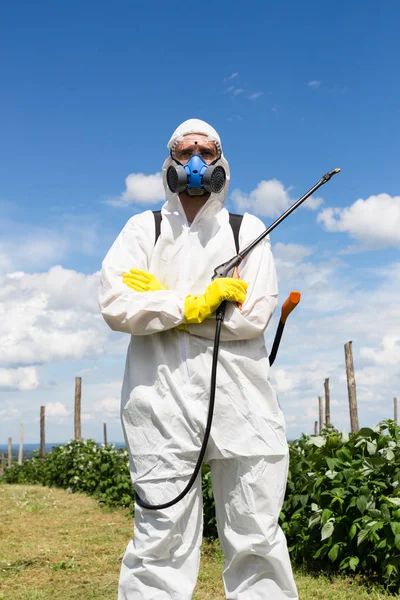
{"points": [[195, 143]]}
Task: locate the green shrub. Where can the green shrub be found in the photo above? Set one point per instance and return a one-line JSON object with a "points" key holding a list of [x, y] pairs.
{"points": [[210, 524], [342, 506], [82, 466]]}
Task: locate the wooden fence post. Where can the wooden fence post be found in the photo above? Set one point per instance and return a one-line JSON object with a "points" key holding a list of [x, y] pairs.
{"points": [[42, 432], [77, 413], [21, 444], [105, 433], [2, 463], [315, 427], [351, 386], [321, 416], [327, 403], [395, 408], [9, 452]]}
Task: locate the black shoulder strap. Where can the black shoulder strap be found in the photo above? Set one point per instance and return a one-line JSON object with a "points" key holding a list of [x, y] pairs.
{"points": [[235, 222], [157, 223]]}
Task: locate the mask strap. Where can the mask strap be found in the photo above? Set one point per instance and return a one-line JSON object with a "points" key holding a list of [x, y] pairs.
{"points": [[174, 159]]}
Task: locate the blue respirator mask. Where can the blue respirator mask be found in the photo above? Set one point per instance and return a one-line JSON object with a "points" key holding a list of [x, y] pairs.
{"points": [[196, 176]]}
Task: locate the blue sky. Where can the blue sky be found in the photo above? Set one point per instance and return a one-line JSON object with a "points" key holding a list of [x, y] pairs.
{"points": [[91, 92]]}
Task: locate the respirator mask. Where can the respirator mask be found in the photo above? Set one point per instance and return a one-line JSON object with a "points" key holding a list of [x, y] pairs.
{"points": [[196, 170]]}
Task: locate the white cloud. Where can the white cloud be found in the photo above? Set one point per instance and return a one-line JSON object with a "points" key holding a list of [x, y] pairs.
{"points": [[21, 378], [388, 352], [375, 221], [88, 371], [313, 202], [49, 316], [110, 405], [5, 262], [291, 254], [237, 91], [56, 410], [28, 247], [87, 417], [315, 83], [283, 381], [141, 189], [233, 76], [38, 248], [255, 95], [270, 198], [9, 414], [64, 288]]}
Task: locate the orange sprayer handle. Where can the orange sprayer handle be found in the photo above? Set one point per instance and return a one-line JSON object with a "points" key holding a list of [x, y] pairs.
{"points": [[290, 304]]}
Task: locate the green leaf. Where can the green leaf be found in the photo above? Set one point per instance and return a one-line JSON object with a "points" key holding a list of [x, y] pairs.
{"points": [[353, 531], [362, 504], [333, 463], [333, 552], [327, 530], [390, 569], [353, 502], [397, 541], [345, 436], [317, 440], [395, 527], [395, 501], [326, 514], [344, 454], [371, 447], [362, 536], [321, 551], [314, 521], [353, 562], [390, 454], [365, 432]]}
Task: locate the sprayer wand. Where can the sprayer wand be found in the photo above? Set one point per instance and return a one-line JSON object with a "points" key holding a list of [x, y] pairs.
{"points": [[224, 269]]}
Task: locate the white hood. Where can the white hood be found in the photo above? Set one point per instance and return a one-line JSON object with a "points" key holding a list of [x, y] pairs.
{"points": [[216, 201]]}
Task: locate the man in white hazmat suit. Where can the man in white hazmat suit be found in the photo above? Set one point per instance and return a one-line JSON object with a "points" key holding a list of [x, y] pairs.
{"points": [[160, 293]]}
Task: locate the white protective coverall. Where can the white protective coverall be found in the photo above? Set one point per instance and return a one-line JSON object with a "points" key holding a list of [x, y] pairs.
{"points": [[165, 399]]}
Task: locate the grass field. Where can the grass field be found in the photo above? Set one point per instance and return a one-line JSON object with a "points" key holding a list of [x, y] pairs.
{"points": [[55, 546]]}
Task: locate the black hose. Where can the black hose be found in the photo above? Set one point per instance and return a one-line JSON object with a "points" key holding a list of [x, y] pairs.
{"points": [[222, 271], [142, 503], [276, 343]]}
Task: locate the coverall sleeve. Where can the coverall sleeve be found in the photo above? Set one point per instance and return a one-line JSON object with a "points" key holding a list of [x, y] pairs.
{"points": [[123, 309], [258, 270]]}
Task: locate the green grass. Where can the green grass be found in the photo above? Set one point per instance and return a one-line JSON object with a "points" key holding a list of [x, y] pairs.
{"points": [[55, 546]]}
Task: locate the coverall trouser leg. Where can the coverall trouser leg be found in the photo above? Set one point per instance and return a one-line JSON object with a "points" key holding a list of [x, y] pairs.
{"points": [[248, 494], [162, 561]]}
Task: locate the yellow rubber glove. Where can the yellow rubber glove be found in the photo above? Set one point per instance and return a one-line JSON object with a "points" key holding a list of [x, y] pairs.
{"points": [[198, 308], [141, 281]]}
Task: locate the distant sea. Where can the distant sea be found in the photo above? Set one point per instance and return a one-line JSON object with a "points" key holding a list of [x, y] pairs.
{"points": [[30, 448]]}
